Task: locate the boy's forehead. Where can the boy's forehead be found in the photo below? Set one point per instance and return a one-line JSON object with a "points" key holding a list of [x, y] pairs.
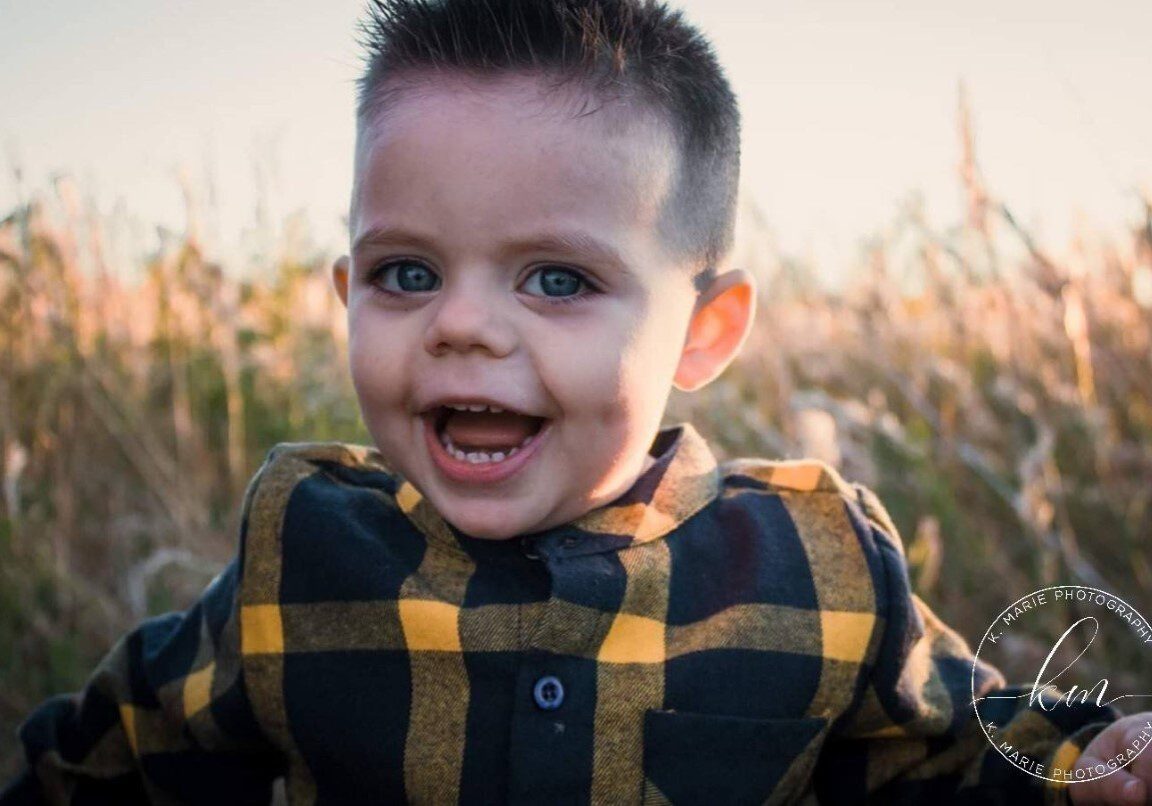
{"points": [[566, 119], [526, 95]]}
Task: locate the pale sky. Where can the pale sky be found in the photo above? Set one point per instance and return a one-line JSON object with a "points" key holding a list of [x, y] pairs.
{"points": [[849, 107]]}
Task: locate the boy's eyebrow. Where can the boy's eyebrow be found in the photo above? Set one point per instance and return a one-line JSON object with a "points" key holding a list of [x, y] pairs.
{"points": [[575, 241], [390, 236]]}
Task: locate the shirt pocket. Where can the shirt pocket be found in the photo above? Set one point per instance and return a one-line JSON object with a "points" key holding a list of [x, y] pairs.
{"points": [[710, 759]]}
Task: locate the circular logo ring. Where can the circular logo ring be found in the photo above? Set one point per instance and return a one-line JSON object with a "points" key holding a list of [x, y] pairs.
{"points": [[1078, 593]]}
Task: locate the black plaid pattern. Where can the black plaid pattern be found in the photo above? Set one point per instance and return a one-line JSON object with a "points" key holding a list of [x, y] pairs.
{"points": [[742, 633]]}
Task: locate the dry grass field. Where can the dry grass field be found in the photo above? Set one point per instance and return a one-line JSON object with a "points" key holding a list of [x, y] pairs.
{"points": [[1001, 408]]}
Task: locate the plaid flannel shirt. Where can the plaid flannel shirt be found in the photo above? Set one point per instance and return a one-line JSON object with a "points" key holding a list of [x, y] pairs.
{"points": [[742, 633]]}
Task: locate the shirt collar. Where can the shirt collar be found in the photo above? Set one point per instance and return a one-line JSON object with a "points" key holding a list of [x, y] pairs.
{"points": [[683, 479]]}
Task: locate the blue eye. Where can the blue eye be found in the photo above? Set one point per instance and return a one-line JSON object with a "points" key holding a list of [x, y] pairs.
{"points": [[558, 284], [409, 276]]}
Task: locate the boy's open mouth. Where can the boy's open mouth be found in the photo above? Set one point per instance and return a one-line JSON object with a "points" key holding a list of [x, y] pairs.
{"points": [[478, 433]]}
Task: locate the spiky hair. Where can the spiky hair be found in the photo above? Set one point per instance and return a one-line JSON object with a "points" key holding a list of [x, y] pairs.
{"points": [[613, 48]]}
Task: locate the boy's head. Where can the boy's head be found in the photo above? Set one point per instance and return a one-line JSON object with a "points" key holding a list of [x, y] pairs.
{"points": [[544, 193]]}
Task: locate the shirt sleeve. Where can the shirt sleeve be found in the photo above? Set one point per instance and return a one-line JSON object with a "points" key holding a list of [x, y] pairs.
{"points": [[913, 736], [164, 718]]}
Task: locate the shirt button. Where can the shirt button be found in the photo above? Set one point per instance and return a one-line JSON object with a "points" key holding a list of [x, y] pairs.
{"points": [[548, 693]]}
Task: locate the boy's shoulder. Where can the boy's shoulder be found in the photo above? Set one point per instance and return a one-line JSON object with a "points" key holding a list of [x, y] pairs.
{"points": [[789, 475], [798, 479], [347, 454], [287, 464]]}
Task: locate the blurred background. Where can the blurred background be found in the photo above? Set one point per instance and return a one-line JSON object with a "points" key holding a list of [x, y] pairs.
{"points": [[948, 208]]}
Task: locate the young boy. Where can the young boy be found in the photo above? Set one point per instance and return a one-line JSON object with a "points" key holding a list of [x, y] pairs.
{"points": [[526, 592]]}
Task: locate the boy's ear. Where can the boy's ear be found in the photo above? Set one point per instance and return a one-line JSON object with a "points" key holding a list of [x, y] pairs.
{"points": [[340, 278], [721, 321]]}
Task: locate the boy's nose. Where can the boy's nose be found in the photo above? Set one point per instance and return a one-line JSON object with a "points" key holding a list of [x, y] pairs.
{"points": [[466, 321]]}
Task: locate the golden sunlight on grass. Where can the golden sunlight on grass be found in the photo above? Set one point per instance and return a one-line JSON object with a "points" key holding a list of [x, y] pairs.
{"points": [[1001, 409]]}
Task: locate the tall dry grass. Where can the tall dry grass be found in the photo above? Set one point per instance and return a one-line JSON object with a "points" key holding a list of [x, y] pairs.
{"points": [[1003, 412], [131, 417]]}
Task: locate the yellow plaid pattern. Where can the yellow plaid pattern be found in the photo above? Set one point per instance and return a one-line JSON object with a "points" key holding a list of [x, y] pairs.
{"points": [[720, 633]]}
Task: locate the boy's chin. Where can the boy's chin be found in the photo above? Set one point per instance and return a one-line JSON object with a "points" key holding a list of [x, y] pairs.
{"points": [[495, 525], [488, 531], [495, 521]]}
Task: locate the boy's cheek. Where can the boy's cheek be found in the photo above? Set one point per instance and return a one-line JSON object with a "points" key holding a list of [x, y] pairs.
{"points": [[379, 392]]}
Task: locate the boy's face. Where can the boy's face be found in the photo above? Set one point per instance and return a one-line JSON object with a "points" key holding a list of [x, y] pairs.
{"points": [[520, 247]]}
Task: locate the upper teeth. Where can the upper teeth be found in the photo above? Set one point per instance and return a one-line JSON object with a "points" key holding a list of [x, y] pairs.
{"points": [[474, 407]]}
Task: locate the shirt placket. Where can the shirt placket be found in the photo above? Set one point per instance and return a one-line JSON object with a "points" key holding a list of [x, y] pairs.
{"points": [[553, 718]]}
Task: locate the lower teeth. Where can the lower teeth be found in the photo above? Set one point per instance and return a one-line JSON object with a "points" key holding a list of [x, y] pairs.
{"points": [[481, 457]]}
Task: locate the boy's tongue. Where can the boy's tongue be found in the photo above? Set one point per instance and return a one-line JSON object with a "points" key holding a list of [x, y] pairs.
{"points": [[489, 431]]}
